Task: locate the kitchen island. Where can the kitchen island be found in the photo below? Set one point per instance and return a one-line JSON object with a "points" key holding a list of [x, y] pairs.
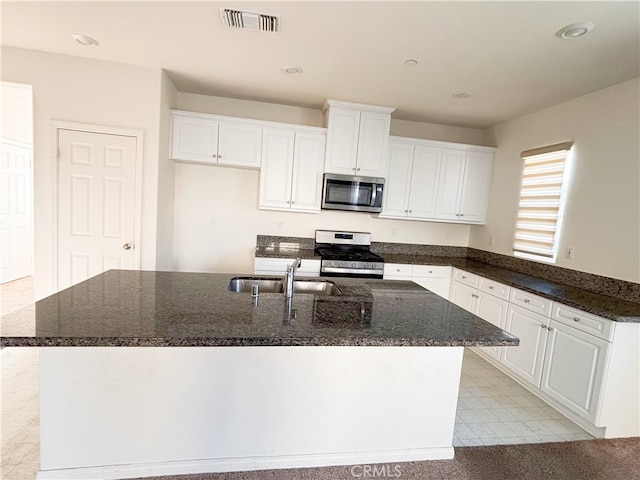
{"points": [[318, 380]]}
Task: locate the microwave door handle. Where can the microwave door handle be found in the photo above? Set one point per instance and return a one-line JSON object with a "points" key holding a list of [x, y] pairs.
{"points": [[373, 195]]}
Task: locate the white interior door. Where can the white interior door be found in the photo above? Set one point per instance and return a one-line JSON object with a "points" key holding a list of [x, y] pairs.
{"points": [[16, 211], [96, 204]]}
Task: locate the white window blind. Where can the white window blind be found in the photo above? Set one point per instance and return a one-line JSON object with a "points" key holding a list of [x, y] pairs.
{"points": [[544, 180]]}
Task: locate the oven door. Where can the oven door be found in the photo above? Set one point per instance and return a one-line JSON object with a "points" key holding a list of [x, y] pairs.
{"points": [[344, 192]]}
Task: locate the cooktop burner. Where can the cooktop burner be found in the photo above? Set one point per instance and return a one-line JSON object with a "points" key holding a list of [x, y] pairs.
{"points": [[342, 254]]}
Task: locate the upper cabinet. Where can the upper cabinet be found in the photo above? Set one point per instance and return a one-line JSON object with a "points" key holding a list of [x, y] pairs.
{"points": [[291, 173], [463, 185], [437, 181], [215, 140], [357, 138]]}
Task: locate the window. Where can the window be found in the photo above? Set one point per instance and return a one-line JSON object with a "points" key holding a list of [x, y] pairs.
{"points": [[542, 195]]}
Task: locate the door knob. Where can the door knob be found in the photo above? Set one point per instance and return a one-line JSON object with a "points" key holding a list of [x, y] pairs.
{"points": [[127, 246]]}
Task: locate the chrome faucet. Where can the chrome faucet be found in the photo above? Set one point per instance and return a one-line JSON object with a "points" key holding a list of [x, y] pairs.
{"points": [[289, 277]]}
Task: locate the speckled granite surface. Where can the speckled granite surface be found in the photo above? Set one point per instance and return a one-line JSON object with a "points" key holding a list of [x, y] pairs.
{"points": [[610, 298], [134, 308]]}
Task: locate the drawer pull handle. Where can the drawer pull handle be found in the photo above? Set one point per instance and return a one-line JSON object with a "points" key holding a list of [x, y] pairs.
{"points": [[526, 300], [576, 319]]}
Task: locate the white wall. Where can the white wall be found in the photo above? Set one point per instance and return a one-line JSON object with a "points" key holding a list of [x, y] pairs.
{"points": [[85, 91], [16, 101], [602, 217], [231, 197], [433, 131], [166, 177]]}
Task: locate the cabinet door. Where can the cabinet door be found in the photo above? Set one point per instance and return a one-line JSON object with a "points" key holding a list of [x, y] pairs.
{"points": [[277, 167], [476, 184], [439, 286], [239, 145], [449, 184], [463, 295], [194, 139], [424, 182], [573, 369], [372, 144], [493, 310], [396, 188], [306, 188], [342, 141], [526, 359]]}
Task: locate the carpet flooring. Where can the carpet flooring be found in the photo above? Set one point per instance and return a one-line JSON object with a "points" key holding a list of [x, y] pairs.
{"points": [[615, 459]]}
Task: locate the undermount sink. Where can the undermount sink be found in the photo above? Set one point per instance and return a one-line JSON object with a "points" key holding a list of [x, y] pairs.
{"points": [[275, 285]]}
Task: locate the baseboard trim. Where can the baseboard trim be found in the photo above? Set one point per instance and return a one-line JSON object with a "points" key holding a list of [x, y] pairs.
{"points": [[121, 472]]}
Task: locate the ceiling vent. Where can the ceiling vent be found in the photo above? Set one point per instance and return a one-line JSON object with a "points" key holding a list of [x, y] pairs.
{"points": [[249, 21]]}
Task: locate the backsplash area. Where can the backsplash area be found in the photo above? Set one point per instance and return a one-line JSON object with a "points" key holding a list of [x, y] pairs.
{"points": [[621, 289]]}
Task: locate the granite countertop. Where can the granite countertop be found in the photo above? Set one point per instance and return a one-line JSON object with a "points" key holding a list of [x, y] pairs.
{"points": [[602, 305], [287, 252], [144, 308]]}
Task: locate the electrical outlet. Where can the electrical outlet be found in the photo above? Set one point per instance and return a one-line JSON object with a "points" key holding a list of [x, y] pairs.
{"points": [[280, 225], [394, 232], [570, 253], [212, 220], [492, 240]]}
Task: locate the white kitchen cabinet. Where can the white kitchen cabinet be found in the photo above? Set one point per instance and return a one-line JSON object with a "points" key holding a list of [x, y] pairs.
{"points": [[357, 138], [215, 140], [434, 278], [574, 366], [466, 293], [527, 358], [291, 173], [463, 185], [412, 176], [431, 277], [278, 266]]}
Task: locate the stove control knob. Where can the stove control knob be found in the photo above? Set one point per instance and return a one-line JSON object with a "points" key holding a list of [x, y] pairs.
{"points": [[353, 264]]}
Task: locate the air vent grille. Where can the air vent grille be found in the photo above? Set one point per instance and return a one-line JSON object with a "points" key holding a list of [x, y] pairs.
{"points": [[249, 21]]}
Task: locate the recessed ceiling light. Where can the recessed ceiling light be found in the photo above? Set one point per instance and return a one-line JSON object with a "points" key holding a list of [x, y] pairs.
{"points": [[291, 69], [410, 62], [461, 95], [85, 40], [575, 30]]}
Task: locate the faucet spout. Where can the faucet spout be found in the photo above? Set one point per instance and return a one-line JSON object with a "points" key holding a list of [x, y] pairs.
{"points": [[289, 277]]}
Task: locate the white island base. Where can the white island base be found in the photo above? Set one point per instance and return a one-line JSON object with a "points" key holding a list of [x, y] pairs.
{"points": [[125, 412]]}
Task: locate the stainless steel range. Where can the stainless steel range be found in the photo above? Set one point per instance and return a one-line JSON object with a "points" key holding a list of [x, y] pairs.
{"points": [[347, 254]]}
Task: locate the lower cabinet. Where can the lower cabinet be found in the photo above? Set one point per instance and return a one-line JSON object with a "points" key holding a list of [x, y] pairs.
{"points": [[574, 365], [435, 278], [278, 266], [526, 359], [466, 293]]}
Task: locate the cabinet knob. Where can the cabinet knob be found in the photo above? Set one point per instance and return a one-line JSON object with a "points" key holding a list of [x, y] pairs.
{"points": [[406, 211], [549, 328], [463, 277], [576, 319], [462, 214], [526, 300], [543, 326], [354, 169], [292, 202], [410, 211], [490, 287], [397, 269], [358, 169], [430, 271]]}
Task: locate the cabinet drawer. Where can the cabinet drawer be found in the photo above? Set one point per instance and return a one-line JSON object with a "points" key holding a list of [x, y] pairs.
{"points": [[583, 321], [430, 271], [494, 288], [398, 270], [465, 277], [531, 302]]}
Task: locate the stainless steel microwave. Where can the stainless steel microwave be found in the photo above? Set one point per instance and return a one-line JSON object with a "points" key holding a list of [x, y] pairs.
{"points": [[348, 192]]}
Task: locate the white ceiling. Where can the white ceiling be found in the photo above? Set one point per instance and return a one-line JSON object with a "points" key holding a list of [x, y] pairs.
{"points": [[505, 54]]}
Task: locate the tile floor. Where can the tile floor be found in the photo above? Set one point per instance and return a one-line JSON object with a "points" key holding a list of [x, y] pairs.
{"points": [[492, 408]]}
